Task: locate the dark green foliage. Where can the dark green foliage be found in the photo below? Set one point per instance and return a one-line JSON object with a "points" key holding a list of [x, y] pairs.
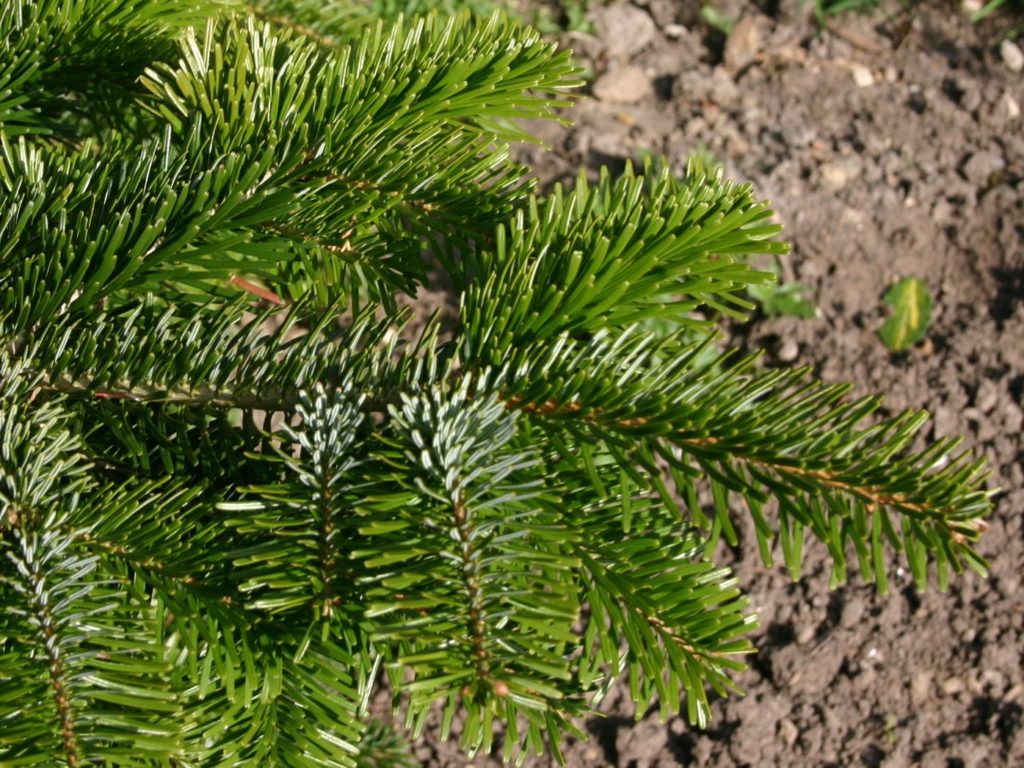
{"points": [[234, 502]]}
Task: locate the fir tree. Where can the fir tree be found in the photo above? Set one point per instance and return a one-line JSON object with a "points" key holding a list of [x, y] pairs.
{"points": [[234, 500]]}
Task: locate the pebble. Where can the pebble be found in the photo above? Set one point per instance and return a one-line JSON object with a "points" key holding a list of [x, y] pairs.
{"points": [[1013, 58], [970, 97], [788, 351], [788, 731], [742, 45], [862, 76], [853, 612], [988, 395], [834, 176], [610, 145], [971, 100], [625, 29], [1011, 106], [805, 635], [675, 31], [1012, 418], [920, 688], [623, 85], [946, 421], [952, 686], [981, 165]]}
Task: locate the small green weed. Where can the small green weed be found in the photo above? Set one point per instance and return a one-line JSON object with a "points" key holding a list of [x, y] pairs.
{"points": [[560, 16], [715, 19], [823, 9], [911, 316], [782, 299]]}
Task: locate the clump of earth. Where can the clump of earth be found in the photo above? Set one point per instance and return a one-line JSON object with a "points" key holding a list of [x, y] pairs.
{"points": [[891, 145]]}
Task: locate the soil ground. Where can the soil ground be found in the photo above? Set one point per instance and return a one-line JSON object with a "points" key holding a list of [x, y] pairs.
{"points": [[891, 145]]}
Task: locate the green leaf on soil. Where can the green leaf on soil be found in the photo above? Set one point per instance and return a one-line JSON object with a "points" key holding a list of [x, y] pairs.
{"points": [[911, 314], [715, 19], [786, 299], [781, 299]]}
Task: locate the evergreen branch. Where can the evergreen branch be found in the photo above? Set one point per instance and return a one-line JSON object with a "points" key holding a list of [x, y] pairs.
{"points": [[617, 254], [227, 181], [226, 507], [320, 725], [106, 672], [81, 57], [493, 600], [38, 613], [208, 355], [308, 530], [212, 625], [302, 713], [179, 218], [410, 107], [470, 573], [681, 620], [34, 588], [382, 746], [770, 434], [333, 22]]}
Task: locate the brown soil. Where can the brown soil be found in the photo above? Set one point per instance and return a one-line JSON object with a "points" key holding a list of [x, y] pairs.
{"points": [[891, 146]]}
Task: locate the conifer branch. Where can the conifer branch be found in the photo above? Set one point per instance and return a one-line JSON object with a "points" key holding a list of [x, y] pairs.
{"points": [[40, 615], [490, 521], [757, 436]]}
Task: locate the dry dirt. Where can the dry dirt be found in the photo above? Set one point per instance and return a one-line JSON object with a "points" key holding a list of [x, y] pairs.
{"points": [[891, 146]]}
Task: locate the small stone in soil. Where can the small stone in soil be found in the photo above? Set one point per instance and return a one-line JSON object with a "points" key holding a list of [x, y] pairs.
{"points": [[1011, 106], [1013, 58], [789, 351], [625, 29], [742, 45], [988, 395], [663, 12], [623, 85], [920, 688], [788, 731], [1012, 418], [952, 686], [1008, 586], [981, 165], [834, 176], [853, 611], [862, 76]]}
